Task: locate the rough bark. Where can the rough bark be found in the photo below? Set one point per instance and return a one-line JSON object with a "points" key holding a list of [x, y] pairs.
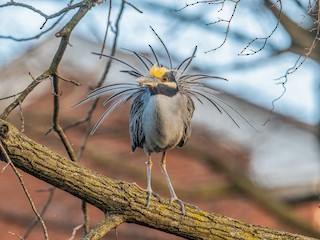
{"points": [[119, 198]]}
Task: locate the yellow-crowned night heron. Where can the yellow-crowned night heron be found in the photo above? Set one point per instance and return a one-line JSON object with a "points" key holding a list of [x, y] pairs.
{"points": [[162, 108]]}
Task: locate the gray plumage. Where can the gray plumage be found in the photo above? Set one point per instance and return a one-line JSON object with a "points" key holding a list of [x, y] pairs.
{"points": [[160, 122], [162, 108]]}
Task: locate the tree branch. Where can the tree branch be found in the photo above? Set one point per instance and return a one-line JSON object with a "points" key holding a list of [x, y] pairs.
{"points": [[64, 33], [119, 198], [110, 222], [6, 157], [274, 206]]}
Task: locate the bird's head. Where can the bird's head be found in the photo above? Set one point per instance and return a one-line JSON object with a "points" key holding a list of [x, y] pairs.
{"points": [[159, 78]]}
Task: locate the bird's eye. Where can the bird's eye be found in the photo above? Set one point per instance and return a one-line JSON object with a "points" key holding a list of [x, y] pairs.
{"points": [[164, 79]]}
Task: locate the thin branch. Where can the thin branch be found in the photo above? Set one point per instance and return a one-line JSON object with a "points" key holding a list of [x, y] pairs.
{"points": [[34, 209], [85, 225], [134, 7], [244, 51], [24, 94], [298, 63], [61, 13], [4, 168], [56, 123], [107, 28], [16, 235], [200, 2], [42, 14], [228, 21], [11, 96], [103, 78], [35, 36], [43, 210], [64, 33], [21, 117], [68, 80], [74, 231]]}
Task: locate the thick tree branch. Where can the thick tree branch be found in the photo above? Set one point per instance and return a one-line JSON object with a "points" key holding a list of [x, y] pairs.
{"points": [[119, 198], [282, 211]]}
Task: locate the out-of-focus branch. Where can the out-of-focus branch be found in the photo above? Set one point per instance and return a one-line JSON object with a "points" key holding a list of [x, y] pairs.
{"points": [[124, 199], [64, 33], [24, 94], [247, 49], [216, 160], [303, 40], [88, 118], [47, 17]]}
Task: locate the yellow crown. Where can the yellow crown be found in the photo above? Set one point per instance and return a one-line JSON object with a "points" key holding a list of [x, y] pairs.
{"points": [[157, 72]]}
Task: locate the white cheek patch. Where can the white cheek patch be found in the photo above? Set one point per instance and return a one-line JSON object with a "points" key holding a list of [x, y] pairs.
{"points": [[170, 84]]}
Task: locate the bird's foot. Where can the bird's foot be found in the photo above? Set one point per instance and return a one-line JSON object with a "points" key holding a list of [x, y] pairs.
{"points": [[149, 194], [192, 206], [177, 200]]}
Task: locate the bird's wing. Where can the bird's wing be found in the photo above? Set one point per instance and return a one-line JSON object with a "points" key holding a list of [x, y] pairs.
{"points": [[187, 122], [135, 125]]}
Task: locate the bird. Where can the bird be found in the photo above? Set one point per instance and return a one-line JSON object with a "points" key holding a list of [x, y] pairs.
{"points": [[162, 107]]}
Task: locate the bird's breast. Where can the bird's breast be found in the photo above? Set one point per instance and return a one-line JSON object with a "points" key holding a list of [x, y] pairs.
{"points": [[163, 122]]}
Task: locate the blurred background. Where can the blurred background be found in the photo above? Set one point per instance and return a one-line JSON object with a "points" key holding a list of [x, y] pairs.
{"points": [[267, 174]]}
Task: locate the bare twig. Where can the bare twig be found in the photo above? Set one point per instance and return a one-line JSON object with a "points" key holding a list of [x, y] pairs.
{"points": [[43, 210], [42, 14], [8, 160], [87, 119], [200, 2], [244, 51], [64, 33], [11, 96], [60, 13], [16, 235], [56, 123], [107, 27], [21, 117], [84, 207], [4, 168], [74, 231], [301, 58], [35, 36], [228, 21], [24, 94], [134, 7], [68, 80]]}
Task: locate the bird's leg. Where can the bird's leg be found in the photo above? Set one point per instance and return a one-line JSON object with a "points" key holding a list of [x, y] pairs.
{"points": [[149, 189], [172, 192]]}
